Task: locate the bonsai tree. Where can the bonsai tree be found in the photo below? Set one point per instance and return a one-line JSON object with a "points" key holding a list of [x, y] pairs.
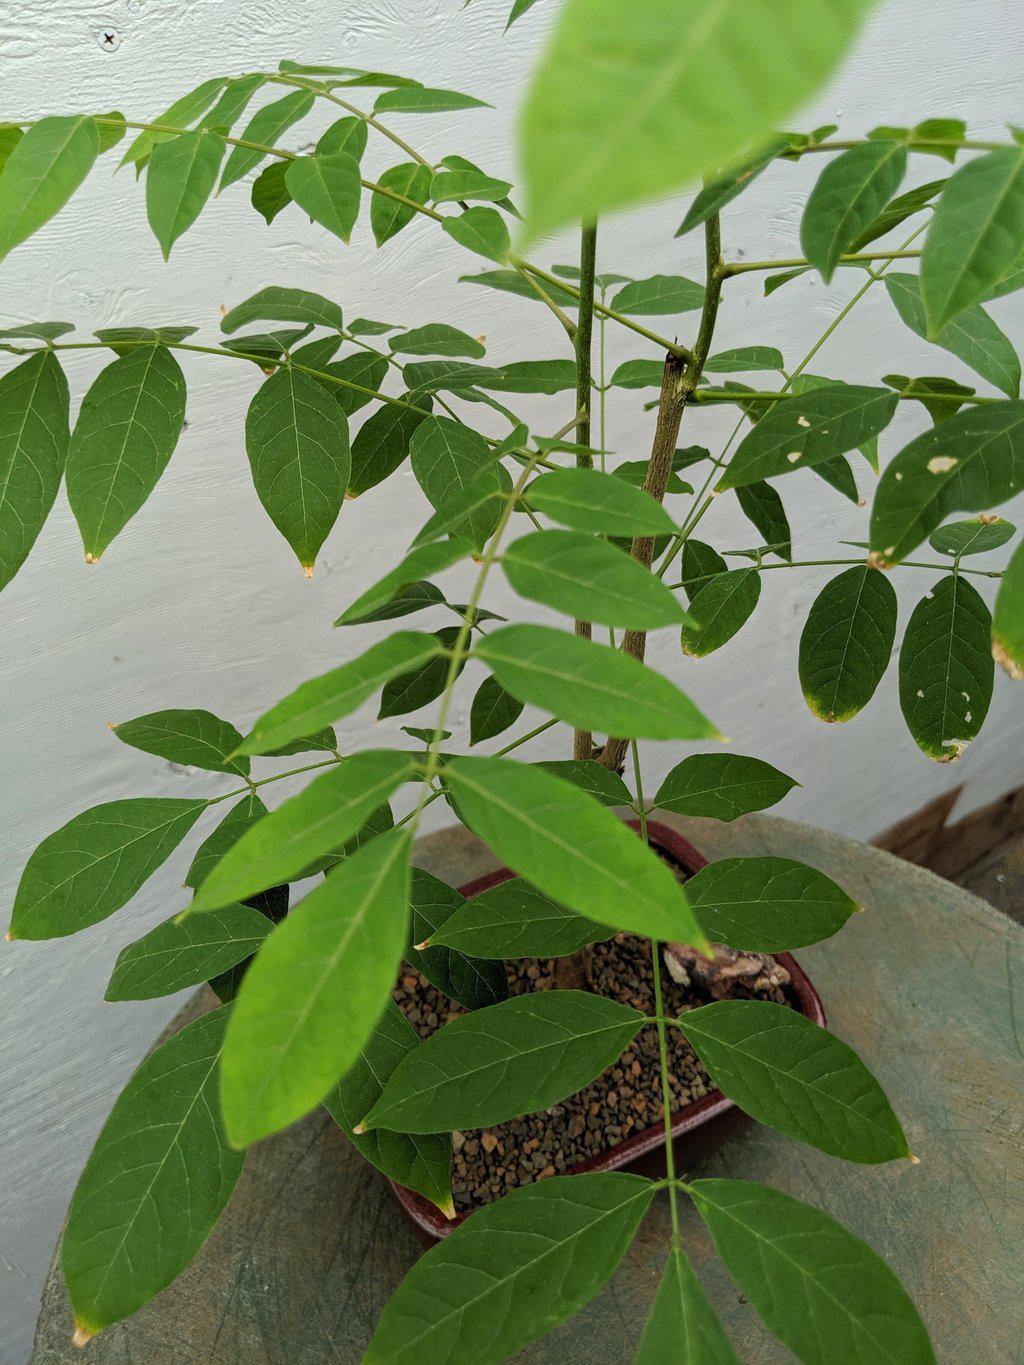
{"points": [[626, 105]]}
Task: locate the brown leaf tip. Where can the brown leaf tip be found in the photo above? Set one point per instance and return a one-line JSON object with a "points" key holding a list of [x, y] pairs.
{"points": [[81, 1336]]}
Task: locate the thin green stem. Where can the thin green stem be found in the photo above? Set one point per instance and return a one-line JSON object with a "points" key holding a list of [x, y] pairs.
{"points": [[732, 268], [277, 777], [583, 740], [911, 144], [317, 88], [701, 500], [602, 310], [660, 1021], [567, 324], [816, 563]]}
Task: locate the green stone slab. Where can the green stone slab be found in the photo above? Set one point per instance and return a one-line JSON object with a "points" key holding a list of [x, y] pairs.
{"points": [[922, 985]]}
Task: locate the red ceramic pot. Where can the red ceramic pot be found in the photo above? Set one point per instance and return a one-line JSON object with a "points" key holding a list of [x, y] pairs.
{"points": [[696, 1132]]}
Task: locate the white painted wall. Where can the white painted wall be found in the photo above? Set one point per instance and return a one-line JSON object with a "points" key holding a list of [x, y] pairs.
{"points": [[199, 602]]}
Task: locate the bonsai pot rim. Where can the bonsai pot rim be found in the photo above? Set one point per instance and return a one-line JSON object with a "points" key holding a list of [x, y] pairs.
{"points": [[697, 1130]]}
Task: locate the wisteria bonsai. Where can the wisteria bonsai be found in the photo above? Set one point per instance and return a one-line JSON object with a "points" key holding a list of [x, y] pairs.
{"points": [[625, 106]]}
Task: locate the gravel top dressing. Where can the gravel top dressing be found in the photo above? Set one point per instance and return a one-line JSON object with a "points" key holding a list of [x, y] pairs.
{"points": [[625, 1100]]}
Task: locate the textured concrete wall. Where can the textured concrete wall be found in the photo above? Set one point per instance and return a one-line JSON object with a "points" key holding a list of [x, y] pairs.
{"points": [[200, 602]]}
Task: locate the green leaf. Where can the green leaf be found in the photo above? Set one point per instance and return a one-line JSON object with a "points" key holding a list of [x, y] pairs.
{"points": [[587, 578], [276, 303], [296, 437], [337, 953], [110, 127], [265, 126], [941, 398], [179, 115], [40, 331], [233, 102], [975, 537], [10, 136], [347, 75], [382, 442], [722, 786], [415, 596], [588, 500], [365, 370], [699, 564], [121, 339], [661, 294], [470, 981], [457, 376], [790, 1073], [422, 684], [850, 193], [33, 451], [453, 186], [436, 338], [447, 456], [492, 712], [195, 739], [511, 282], [328, 188], [513, 1271], [1008, 283], [155, 1183], [514, 1058], [418, 99], [808, 429], [182, 175], [95, 863], [570, 847], [531, 376], [317, 353], [682, 1324], [420, 1162], [127, 428], [946, 669], [41, 174], [388, 216], [590, 776], [817, 1287], [481, 230], [337, 693], [176, 955], [976, 235], [972, 336], [638, 374], [947, 133], [316, 821], [719, 609], [847, 642], [897, 212], [514, 919], [763, 508], [347, 134], [1008, 619], [391, 589], [767, 905], [519, 8], [743, 358], [269, 192], [773, 282], [723, 189], [968, 464], [590, 686], [617, 115], [239, 818]]}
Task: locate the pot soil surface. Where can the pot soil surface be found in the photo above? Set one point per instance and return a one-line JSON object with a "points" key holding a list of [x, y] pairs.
{"points": [[625, 1100]]}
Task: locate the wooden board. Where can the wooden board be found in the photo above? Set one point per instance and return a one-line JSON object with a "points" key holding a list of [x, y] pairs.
{"points": [[923, 986]]}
